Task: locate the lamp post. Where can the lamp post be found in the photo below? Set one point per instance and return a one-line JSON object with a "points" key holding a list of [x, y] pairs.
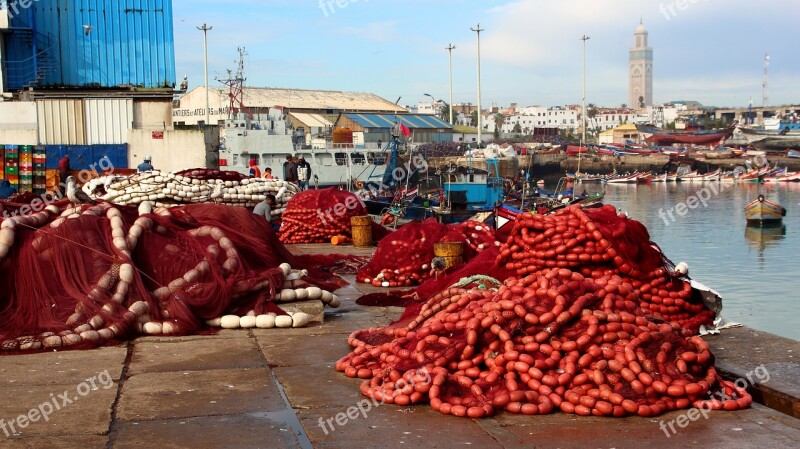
{"points": [[480, 118], [450, 49], [205, 29], [435, 101], [584, 38]]}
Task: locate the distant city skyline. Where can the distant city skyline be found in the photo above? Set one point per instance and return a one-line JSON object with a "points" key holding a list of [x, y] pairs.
{"points": [[710, 51]]}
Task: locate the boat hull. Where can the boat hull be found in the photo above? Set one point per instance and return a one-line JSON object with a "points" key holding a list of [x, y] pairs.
{"points": [[763, 212]]}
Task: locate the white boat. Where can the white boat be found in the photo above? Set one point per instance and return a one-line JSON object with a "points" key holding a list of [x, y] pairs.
{"points": [[624, 179], [269, 139]]}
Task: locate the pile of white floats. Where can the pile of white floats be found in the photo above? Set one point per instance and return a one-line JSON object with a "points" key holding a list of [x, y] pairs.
{"points": [[293, 291], [171, 189]]}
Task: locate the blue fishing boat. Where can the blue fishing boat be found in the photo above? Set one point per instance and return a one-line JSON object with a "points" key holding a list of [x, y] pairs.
{"points": [[468, 190]]}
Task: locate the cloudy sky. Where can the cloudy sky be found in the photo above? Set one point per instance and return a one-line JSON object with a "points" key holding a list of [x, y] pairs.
{"points": [[710, 51]]}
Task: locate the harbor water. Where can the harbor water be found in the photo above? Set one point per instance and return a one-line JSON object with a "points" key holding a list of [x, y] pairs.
{"points": [[703, 224]]}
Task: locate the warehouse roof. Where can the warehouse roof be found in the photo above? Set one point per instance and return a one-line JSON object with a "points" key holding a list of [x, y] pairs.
{"points": [[413, 121], [312, 120], [268, 97]]}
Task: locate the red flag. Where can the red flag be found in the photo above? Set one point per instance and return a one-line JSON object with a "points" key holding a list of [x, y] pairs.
{"points": [[405, 130]]}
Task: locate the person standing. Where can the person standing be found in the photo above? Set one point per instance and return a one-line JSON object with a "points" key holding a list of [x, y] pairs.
{"points": [[303, 172], [147, 165], [255, 172], [63, 169], [268, 173], [289, 170]]}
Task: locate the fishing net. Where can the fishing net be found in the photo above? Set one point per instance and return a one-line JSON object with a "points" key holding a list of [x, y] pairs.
{"points": [[406, 258], [94, 274], [563, 326], [315, 216]]}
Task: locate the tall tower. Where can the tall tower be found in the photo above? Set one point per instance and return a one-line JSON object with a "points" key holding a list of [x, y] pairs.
{"points": [[640, 83]]}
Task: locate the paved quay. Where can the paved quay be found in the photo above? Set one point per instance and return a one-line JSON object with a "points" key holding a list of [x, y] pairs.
{"points": [[272, 389]]}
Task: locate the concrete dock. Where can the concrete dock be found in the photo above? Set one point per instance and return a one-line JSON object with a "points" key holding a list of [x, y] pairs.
{"points": [[278, 388]]}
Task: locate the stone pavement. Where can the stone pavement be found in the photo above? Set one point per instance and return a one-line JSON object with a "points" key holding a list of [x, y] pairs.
{"points": [[278, 388]]}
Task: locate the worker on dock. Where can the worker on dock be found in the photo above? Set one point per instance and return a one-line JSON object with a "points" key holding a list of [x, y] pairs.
{"points": [[268, 173], [264, 209], [303, 172], [5, 189], [289, 170], [147, 165], [255, 172], [63, 169]]}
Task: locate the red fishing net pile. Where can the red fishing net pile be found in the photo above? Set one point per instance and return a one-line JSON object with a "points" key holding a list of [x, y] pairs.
{"points": [[404, 259], [566, 331], [315, 216], [95, 274]]}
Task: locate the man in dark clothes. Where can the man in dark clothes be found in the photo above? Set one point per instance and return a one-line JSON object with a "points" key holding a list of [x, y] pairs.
{"points": [[289, 170], [5, 189]]}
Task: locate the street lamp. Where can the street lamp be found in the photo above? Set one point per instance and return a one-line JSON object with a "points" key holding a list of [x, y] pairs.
{"points": [[205, 29], [480, 118], [450, 49], [445, 103]]}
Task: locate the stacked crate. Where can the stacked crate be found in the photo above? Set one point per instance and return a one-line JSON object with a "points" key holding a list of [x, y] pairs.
{"points": [[12, 165], [25, 168], [39, 170]]}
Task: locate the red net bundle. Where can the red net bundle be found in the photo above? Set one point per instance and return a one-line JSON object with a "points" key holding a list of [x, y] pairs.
{"points": [[100, 273], [405, 258], [573, 338], [315, 216]]}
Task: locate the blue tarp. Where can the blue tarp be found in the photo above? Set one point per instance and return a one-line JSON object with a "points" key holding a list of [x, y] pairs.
{"points": [[81, 157]]}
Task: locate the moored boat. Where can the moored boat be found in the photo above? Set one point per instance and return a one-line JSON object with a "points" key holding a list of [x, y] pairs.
{"points": [[712, 176], [793, 153], [692, 176], [764, 212], [623, 179]]}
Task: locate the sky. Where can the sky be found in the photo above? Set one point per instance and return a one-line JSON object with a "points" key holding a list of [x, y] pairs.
{"points": [[711, 51]]}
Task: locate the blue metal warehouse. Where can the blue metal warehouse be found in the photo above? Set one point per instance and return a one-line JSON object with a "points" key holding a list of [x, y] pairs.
{"points": [[90, 44]]}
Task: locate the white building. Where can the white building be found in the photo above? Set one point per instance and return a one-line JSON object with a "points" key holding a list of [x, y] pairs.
{"points": [[610, 118], [534, 117]]}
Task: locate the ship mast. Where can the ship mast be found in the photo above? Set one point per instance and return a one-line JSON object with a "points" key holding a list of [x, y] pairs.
{"points": [[235, 83]]}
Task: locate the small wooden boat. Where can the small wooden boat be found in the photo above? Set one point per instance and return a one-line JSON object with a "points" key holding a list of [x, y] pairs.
{"points": [[692, 176], [624, 179], [764, 212], [712, 176], [644, 178]]}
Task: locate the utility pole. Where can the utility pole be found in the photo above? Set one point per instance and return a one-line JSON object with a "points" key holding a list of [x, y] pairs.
{"points": [[480, 114], [584, 38], [205, 29], [450, 49], [765, 86]]}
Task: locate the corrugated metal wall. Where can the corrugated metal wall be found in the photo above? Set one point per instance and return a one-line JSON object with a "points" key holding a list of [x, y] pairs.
{"points": [[85, 122], [101, 43], [61, 122], [108, 120], [89, 157]]}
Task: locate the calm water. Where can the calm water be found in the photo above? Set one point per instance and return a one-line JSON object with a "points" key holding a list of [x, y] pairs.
{"points": [[755, 270]]}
